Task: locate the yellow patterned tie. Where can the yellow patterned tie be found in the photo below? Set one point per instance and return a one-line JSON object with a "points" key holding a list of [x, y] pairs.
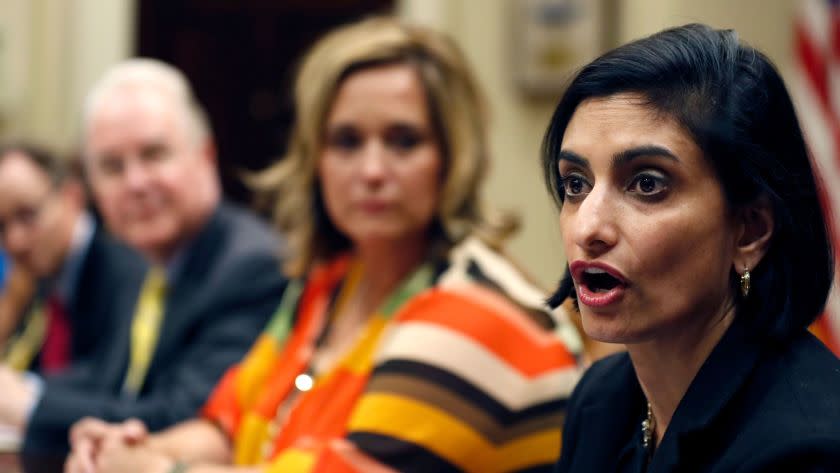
{"points": [[145, 328]]}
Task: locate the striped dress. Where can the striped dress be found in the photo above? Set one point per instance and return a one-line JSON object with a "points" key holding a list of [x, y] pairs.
{"points": [[462, 369]]}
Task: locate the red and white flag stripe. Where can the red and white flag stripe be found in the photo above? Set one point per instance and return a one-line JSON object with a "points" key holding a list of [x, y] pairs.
{"points": [[815, 88]]}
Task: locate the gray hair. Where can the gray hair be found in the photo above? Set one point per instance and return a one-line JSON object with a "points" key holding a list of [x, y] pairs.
{"points": [[145, 73]]}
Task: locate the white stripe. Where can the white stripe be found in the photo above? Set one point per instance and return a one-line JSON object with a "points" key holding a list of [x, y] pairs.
{"points": [[463, 357], [814, 16], [834, 85], [492, 263]]}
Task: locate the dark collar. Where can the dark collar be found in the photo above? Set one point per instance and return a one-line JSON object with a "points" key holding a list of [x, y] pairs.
{"points": [[722, 375], [610, 418]]}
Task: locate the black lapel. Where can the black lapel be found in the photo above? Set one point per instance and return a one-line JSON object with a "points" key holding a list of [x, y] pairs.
{"points": [[603, 434], [722, 375]]}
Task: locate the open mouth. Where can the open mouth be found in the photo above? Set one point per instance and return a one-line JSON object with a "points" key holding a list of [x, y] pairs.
{"points": [[599, 281], [598, 285]]}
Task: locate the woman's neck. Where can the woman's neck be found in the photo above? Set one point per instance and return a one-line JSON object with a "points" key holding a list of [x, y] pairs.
{"points": [[384, 266], [667, 365]]}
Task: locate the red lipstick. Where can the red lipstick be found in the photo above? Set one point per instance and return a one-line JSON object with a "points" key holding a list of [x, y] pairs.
{"points": [[598, 284]]}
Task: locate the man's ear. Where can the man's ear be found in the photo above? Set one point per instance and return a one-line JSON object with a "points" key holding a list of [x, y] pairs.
{"points": [[755, 223], [208, 151]]}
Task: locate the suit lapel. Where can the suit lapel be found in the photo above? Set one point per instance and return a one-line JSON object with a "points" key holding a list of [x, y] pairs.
{"points": [[188, 280], [720, 378], [603, 434]]}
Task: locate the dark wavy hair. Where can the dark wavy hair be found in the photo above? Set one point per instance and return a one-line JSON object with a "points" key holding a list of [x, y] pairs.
{"points": [[733, 102]]}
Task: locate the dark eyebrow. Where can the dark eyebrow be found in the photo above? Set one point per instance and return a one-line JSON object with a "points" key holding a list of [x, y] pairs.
{"points": [[628, 155], [622, 157], [573, 157]]}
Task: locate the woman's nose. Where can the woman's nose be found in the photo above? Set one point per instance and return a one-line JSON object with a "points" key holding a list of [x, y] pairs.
{"points": [[374, 161], [595, 222]]}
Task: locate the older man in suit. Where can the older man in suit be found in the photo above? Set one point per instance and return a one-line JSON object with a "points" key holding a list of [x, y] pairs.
{"points": [[213, 277]]}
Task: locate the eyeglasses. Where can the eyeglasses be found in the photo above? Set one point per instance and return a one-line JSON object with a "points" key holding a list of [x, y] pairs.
{"points": [[27, 216]]}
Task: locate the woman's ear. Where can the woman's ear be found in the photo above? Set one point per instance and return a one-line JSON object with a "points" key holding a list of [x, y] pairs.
{"points": [[755, 224]]}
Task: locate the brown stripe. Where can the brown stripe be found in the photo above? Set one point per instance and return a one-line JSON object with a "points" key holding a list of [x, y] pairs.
{"points": [[461, 408]]}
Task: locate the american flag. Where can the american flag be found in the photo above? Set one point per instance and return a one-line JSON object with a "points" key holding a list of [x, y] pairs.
{"points": [[816, 91]]}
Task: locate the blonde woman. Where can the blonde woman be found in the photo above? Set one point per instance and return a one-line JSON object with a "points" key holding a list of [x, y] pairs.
{"points": [[408, 342]]}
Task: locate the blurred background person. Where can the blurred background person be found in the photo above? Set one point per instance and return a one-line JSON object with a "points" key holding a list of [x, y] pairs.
{"points": [[692, 221], [213, 278], [48, 233], [408, 341]]}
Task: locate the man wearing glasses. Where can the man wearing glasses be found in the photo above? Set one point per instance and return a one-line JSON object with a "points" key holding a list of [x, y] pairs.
{"points": [[48, 234]]}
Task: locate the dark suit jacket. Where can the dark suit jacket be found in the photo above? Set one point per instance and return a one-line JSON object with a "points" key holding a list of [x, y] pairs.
{"points": [[89, 307], [227, 287], [753, 407]]}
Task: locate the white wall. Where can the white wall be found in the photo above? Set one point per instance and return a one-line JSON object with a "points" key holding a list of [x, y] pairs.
{"points": [[56, 48], [482, 28]]}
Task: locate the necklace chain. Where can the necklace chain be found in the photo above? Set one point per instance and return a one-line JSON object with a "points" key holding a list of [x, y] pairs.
{"points": [[648, 428]]}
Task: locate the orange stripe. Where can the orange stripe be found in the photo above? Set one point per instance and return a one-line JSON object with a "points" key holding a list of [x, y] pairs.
{"points": [[822, 330], [504, 307], [532, 356]]}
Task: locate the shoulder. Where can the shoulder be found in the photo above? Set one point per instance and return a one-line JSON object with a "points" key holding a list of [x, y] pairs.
{"points": [[246, 230], [480, 335], [804, 450], [242, 241], [475, 271], [235, 257], [606, 380], [790, 410], [799, 383]]}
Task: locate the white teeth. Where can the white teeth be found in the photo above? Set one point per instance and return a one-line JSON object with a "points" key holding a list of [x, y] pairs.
{"points": [[594, 271]]}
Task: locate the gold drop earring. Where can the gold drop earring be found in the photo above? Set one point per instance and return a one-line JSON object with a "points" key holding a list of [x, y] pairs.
{"points": [[745, 282]]}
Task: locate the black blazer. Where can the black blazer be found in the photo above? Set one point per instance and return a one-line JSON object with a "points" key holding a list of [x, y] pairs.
{"points": [[228, 286], [89, 307], [753, 407]]}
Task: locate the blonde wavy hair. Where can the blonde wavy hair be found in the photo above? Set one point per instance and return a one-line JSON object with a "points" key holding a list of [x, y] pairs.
{"points": [[458, 116]]}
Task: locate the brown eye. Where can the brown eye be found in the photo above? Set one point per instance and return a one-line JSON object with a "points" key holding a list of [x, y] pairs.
{"points": [[648, 184], [111, 165], [403, 139], [344, 139], [154, 152], [575, 185]]}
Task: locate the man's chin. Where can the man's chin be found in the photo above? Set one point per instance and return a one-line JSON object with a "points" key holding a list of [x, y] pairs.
{"points": [[151, 245]]}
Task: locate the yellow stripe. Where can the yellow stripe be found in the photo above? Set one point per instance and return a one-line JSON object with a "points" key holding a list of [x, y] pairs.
{"points": [[360, 359], [433, 429], [250, 440], [292, 461], [255, 369], [536, 449]]}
